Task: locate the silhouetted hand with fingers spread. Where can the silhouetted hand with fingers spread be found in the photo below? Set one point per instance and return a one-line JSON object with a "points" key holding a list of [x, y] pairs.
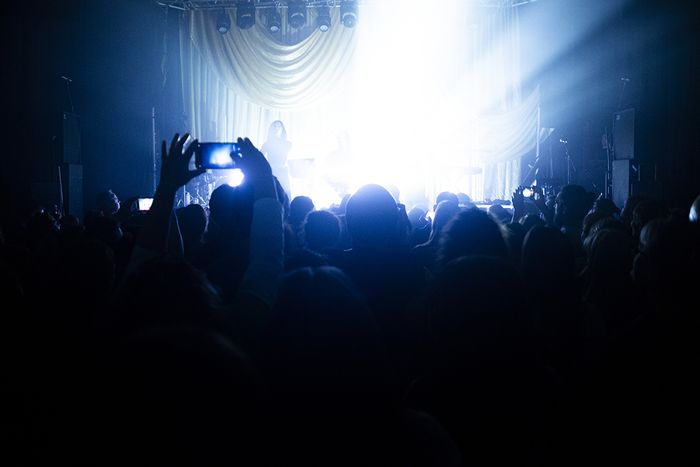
{"points": [[518, 200], [251, 161], [160, 228], [175, 171]]}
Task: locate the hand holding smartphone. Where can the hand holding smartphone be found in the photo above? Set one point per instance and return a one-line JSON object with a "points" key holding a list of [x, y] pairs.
{"points": [[216, 155]]}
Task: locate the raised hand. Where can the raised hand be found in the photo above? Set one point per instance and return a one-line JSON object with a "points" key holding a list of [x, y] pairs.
{"points": [[256, 169], [252, 162], [175, 171], [161, 223], [518, 199]]}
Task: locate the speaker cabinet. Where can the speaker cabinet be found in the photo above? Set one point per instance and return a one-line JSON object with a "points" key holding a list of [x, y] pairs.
{"points": [[622, 177], [72, 183], [623, 134]]}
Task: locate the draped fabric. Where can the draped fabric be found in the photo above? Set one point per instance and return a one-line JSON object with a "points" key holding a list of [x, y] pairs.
{"points": [[273, 74], [320, 86], [238, 83], [507, 131]]}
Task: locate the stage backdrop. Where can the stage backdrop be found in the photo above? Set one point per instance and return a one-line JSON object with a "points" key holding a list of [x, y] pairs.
{"points": [[376, 95]]}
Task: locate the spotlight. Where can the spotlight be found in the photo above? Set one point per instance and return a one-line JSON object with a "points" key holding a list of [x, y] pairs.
{"points": [[323, 18], [223, 22], [348, 13], [245, 14], [234, 177], [274, 21], [296, 14]]}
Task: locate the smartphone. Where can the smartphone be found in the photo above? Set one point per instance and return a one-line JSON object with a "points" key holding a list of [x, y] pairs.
{"points": [[215, 155], [145, 204]]}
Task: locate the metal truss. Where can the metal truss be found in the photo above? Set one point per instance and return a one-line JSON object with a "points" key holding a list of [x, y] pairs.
{"points": [[266, 4]]}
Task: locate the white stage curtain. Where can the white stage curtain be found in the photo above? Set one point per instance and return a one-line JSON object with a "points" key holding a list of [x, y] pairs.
{"points": [[236, 84], [508, 131]]}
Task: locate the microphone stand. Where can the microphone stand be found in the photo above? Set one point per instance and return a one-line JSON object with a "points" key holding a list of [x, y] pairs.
{"points": [[569, 162]]}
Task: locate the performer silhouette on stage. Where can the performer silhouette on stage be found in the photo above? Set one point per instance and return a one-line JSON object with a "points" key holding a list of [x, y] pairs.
{"points": [[276, 150]]}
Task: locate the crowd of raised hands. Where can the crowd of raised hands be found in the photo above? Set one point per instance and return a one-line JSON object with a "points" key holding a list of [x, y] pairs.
{"points": [[261, 331]]}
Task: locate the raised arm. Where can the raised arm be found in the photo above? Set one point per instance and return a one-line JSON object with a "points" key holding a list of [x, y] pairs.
{"points": [[518, 201], [174, 174], [266, 264]]}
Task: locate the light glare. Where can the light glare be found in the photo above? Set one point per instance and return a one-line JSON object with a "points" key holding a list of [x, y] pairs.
{"points": [[234, 177]]}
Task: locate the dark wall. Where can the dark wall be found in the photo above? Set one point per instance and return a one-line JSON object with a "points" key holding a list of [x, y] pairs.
{"points": [[112, 52], [118, 79], [37, 48]]}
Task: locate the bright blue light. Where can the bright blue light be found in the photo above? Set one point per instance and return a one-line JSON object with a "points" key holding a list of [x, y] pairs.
{"points": [[222, 158], [234, 177]]}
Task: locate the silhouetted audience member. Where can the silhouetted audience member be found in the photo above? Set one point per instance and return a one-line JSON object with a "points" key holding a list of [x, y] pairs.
{"points": [[608, 292], [179, 395], [471, 232], [321, 231], [299, 207], [486, 385], [464, 200], [192, 220], [223, 255], [379, 263], [645, 211], [647, 366], [514, 235], [426, 253], [333, 385], [107, 203], [499, 213], [105, 228], [572, 204], [320, 234], [551, 287], [445, 196], [628, 208], [602, 208], [603, 223], [529, 221]]}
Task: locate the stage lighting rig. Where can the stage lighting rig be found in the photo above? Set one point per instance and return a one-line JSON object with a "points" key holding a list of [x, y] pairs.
{"points": [[274, 21], [348, 13], [223, 22], [296, 13], [245, 14], [323, 18]]}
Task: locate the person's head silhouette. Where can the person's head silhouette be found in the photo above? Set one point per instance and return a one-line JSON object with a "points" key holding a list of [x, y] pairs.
{"points": [[371, 215]]}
